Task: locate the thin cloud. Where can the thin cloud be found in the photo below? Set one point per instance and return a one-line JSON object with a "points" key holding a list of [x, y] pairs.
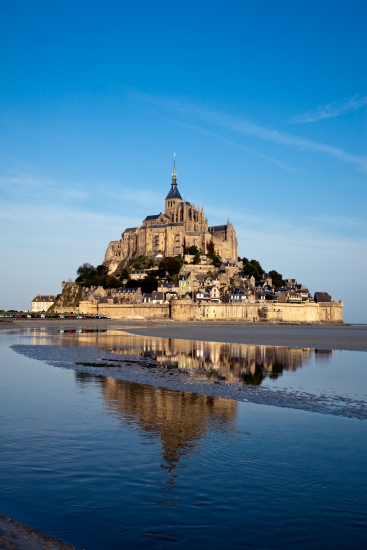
{"points": [[244, 126], [273, 160], [250, 128], [44, 189], [333, 109]]}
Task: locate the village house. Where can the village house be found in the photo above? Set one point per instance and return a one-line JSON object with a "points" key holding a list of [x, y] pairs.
{"points": [[153, 297], [293, 297], [42, 302], [126, 295], [166, 287], [290, 283], [139, 274], [214, 293], [202, 296]]}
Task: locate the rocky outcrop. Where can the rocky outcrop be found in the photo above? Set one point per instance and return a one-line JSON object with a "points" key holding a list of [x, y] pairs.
{"points": [[69, 298]]}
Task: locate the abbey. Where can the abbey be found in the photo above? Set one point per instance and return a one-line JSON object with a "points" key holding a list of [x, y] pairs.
{"points": [[168, 233]]}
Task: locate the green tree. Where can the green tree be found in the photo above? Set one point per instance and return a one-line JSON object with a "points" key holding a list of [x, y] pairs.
{"points": [[131, 283], [111, 282], [149, 284], [85, 272], [212, 254], [102, 269], [193, 250], [217, 260], [123, 274], [250, 270], [245, 260], [277, 278], [258, 266], [170, 266], [197, 259], [179, 259]]}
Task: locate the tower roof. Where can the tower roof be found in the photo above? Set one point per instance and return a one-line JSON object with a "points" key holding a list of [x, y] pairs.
{"points": [[174, 192]]}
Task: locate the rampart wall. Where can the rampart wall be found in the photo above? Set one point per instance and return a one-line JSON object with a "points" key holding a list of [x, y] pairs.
{"points": [[126, 311], [288, 313], [180, 310]]}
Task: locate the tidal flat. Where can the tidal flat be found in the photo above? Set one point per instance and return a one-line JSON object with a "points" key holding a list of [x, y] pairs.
{"points": [[112, 438]]}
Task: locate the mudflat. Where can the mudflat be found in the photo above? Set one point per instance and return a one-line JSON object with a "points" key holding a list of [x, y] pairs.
{"points": [[339, 337], [18, 536]]}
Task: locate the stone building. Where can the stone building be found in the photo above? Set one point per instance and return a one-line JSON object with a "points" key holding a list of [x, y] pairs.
{"points": [[182, 224], [42, 302]]}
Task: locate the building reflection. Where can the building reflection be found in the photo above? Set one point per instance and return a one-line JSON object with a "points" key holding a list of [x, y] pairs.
{"points": [[232, 363], [180, 419]]}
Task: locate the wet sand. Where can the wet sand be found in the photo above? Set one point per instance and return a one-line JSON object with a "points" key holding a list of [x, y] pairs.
{"points": [[18, 536], [352, 338], [338, 337], [7, 324]]}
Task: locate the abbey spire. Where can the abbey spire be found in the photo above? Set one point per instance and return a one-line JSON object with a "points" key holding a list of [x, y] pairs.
{"points": [[174, 175], [174, 192]]}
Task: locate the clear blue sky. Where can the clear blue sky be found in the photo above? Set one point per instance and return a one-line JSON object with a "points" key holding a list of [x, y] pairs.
{"points": [[264, 103]]}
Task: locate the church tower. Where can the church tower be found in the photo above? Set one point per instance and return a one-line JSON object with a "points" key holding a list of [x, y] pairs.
{"points": [[173, 198]]}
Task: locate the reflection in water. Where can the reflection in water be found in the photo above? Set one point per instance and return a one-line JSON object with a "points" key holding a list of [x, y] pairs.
{"points": [[179, 419], [323, 355], [244, 363], [231, 363]]}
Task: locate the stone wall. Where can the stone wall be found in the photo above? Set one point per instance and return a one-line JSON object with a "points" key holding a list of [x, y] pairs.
{"points": [[181, 310], [126, 311], [288, 313]]}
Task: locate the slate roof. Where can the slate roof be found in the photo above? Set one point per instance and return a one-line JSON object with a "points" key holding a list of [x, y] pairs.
{"points": [[201, 276], [215, 228], [174, 192], [44, 298], [157, 295], [153, 217], [322, 297]]}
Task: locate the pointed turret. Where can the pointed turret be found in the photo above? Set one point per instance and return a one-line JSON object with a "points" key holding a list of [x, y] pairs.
{"points": [[173, 198]]}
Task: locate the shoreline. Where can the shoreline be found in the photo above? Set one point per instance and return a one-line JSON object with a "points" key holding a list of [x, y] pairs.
{"points": [[16, 535]]}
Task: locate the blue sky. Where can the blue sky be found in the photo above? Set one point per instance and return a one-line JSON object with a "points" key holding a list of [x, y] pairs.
{"points": [[264, 103]]}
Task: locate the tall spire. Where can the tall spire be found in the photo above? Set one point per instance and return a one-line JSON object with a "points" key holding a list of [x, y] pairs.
{"points": [[174, 192], [174, 174]]}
